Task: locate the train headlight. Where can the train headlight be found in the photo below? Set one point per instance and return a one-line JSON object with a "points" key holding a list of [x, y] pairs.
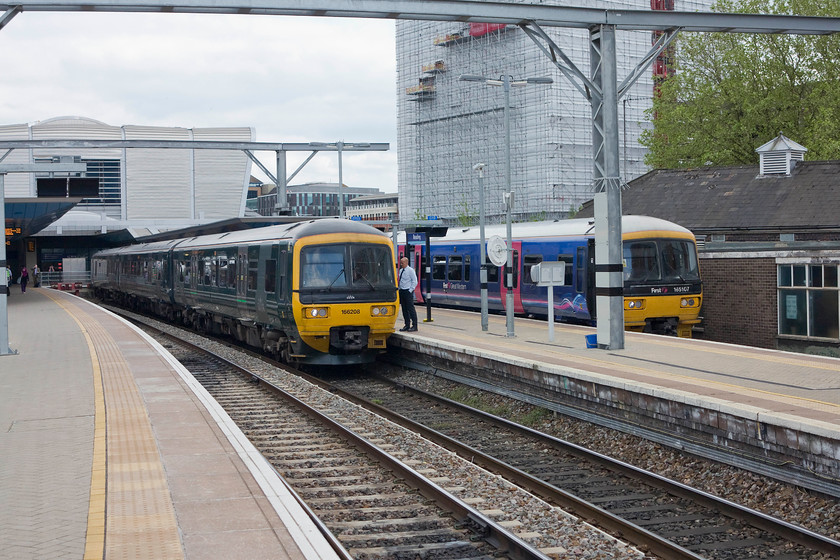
{"points": [[316, 312], [634, 304], [688, 302], [382, 310]]}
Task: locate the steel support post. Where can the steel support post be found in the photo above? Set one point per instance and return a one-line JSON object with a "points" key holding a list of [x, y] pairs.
{"points": [[4, 310], [609, 277], [485, 321], [281, 207]]}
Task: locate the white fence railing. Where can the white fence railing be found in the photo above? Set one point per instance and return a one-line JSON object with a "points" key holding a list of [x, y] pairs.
{"points": [[52, 278]]}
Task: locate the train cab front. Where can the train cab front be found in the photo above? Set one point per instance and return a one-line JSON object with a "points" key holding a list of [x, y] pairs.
{"points": [[346, 302], [663, 292]]}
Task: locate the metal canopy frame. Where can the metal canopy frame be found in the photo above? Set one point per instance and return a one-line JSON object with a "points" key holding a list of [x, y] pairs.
{"points": [[600, 87]]}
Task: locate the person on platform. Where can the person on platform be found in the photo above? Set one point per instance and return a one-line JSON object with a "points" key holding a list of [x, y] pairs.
{"points": [[36, 276], [8, 281], [407, 283], [24, 278]]}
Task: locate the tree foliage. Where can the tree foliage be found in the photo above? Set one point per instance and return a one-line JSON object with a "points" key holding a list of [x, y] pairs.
{"points": [[734, 92]]}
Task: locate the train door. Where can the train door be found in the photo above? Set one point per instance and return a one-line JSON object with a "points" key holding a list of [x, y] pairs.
{"points": [[586, 259], [415, 261], [241, 276], [517, 294]]}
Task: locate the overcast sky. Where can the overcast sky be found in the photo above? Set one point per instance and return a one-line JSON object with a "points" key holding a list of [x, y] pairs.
{"points": [[292, 79]]}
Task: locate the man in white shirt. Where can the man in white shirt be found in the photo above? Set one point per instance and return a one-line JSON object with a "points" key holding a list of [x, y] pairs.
{"points": [[407, 284]]}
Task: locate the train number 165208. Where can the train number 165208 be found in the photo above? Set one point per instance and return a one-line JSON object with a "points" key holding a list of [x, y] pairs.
{"points": [[350, 311]]}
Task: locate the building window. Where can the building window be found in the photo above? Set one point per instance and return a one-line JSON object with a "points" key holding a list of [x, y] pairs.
{"points": [[808, 300]]}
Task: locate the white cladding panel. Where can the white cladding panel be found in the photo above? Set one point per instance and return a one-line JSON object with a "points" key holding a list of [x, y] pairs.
{"points": [[221, 176], [159, 181], [17, 185]]}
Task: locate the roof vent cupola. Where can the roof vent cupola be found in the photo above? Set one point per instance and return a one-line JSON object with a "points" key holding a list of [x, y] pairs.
{"points": [[779, 156]]}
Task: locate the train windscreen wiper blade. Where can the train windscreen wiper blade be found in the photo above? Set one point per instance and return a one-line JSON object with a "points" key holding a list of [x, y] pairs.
{"points": [[365, 278], [328, 288]]}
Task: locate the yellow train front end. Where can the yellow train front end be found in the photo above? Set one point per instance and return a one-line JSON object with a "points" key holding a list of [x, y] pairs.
{"points": [[662, 287], [344, 297]]}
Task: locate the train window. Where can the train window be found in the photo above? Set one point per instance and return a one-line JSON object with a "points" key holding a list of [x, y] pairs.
{"points": [[456, 266], [222, 271], [529, 261], [679, 260], [253, 265], [580, 270], [281, 292], [182, 272], [323, 266], [372, 266], [208, 271], [640, 261], [492, 273], [438, 267], [515, 269], [569, 260], [231, 272], [271, 275], [466, 268]]}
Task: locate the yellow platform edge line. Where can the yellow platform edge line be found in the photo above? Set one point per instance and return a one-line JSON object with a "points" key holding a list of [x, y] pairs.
{"points": [[95, 536]]}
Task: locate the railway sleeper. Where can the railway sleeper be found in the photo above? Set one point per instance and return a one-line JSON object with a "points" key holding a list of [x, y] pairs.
{"points": [[405, 540], [445, 550]]}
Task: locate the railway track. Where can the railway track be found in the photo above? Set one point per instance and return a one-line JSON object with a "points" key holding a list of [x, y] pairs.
{"points": [[372, 502], [669, 519]]}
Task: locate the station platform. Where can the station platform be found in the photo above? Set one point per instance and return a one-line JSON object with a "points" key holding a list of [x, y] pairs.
{"points": [[110, 449], [781, 407]]}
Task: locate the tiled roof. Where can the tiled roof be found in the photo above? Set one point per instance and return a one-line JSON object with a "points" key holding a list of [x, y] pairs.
{"points": [[712, 198]]}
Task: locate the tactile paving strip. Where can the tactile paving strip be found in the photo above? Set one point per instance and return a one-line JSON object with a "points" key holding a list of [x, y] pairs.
{"points": [[140, 520]]}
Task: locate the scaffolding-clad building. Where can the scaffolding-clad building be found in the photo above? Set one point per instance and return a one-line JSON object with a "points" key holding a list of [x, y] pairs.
{"points": [[445, 125]]}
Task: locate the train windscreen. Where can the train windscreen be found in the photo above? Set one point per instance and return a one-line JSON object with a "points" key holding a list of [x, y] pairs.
{"points": [[660, 261], [357, 267]]}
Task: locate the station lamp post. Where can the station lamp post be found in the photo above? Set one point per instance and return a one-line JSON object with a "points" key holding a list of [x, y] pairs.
{"points": [[483, 273], [506, 82]]}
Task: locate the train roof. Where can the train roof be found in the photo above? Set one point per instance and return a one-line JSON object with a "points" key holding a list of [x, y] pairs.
{"points": [[291, 231], [557, 228]]}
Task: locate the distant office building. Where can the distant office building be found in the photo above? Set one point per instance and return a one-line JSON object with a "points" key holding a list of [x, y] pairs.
{"points": [[311, 199], [375, 208], [445, 126]]}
